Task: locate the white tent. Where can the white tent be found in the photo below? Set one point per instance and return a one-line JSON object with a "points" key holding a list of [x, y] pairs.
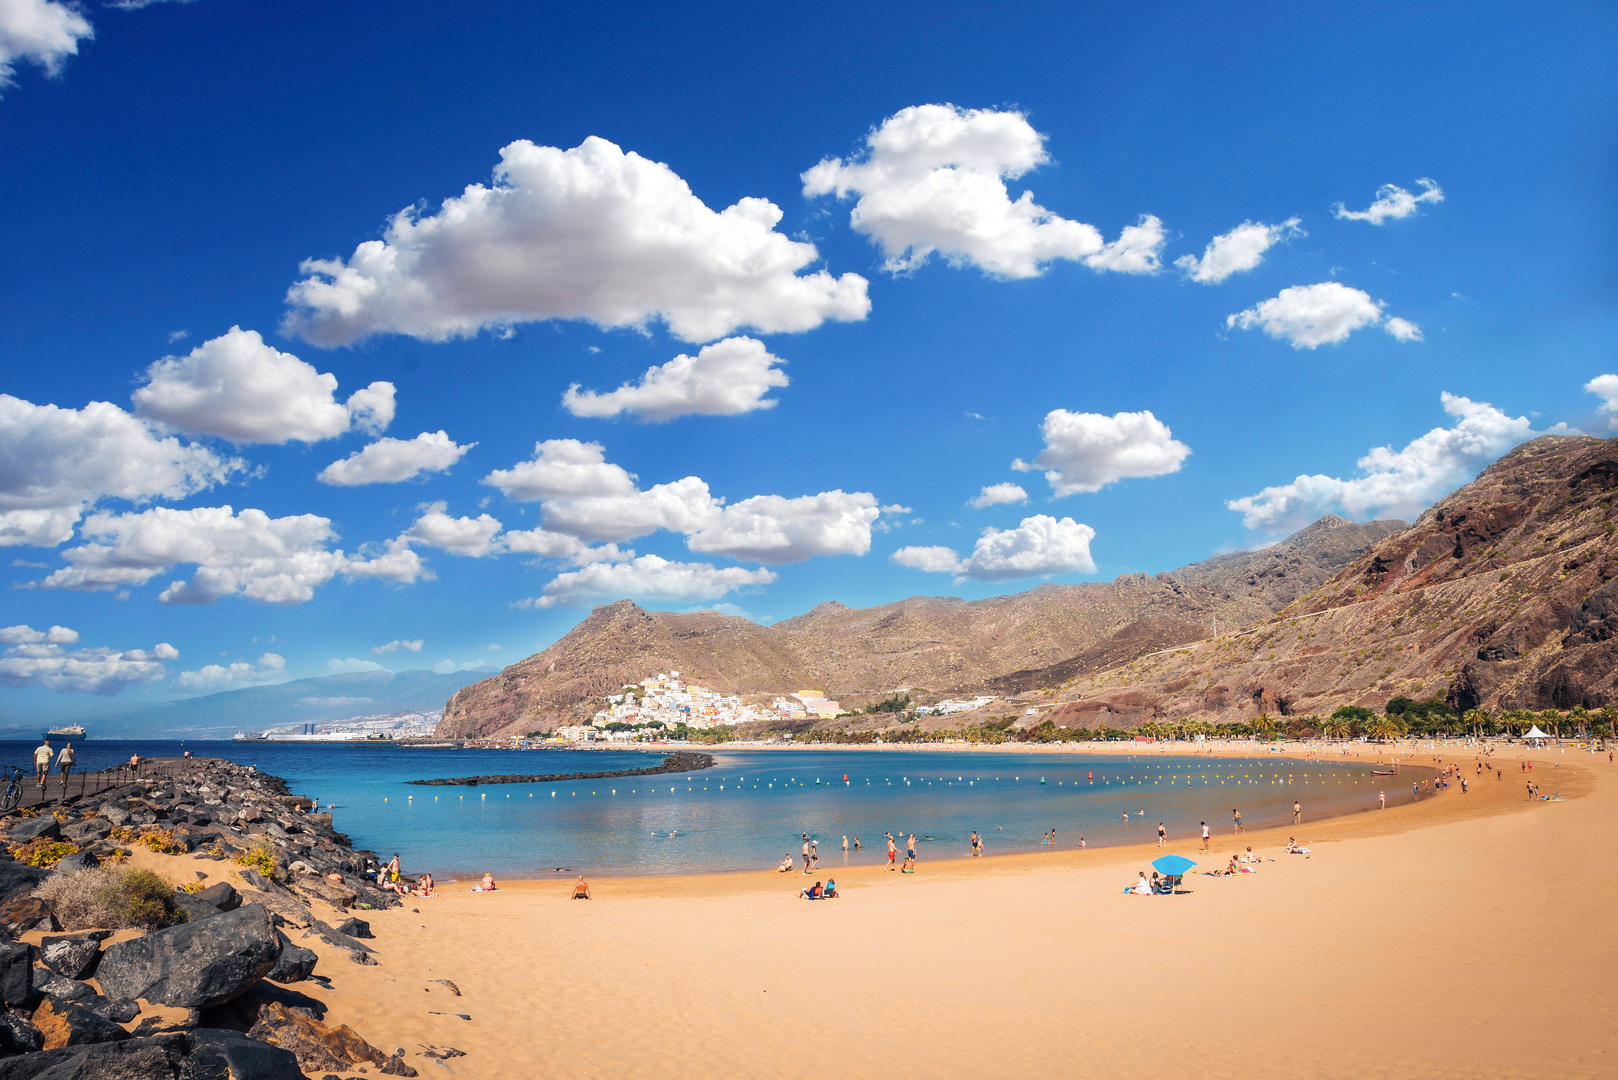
{"points": [[1536, 734]]}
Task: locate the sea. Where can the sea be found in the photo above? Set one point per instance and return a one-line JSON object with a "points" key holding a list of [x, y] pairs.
{"points": [[752, 808]]}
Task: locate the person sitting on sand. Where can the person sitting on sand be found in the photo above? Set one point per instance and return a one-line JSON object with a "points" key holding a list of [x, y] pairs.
{"points": [[785, 865], [486, 885], [830, 892], [1233, 868], [1249, 857], [812, 893], [1142, 887], [424, 885], [581, 889]]}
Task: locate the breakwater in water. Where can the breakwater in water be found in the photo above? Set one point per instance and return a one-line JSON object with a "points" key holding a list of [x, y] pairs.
{"points": [[675, 763]]}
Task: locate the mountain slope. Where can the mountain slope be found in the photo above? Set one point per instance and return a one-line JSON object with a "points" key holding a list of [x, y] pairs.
{"points": [[1500, 596], [940, 644]]}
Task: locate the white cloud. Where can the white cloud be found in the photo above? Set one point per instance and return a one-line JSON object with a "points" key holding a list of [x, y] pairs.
{"points": [[648, 577], [683, 506], [238, 387], [396, 645], [1397, 483], [447, 666], [1323, 314], [774, 530], [276, 560], [345, 667], [36, 658], [727, 378], [1041, 546], [1606, 388], [1085, 452], [589, 233], [1392, 201], [212, 678], [561, 468], [461, 536], [550, 545], [42, 32], [933, 178], [1237, 251], [998, 495], [55, 463], [390, 461]]}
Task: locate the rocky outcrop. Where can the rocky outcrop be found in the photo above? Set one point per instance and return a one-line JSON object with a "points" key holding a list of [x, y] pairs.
{"points": [[194, 965], [72, 956], [318, 1048], [674, 763], [64, 1023], [943, 644]]}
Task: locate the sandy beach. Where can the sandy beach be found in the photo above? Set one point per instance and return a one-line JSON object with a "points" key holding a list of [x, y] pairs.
{"points": [[1463, 936]]}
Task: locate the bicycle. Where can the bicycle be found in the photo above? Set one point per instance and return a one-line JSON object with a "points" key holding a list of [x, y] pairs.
{"points": [[11, 795]]}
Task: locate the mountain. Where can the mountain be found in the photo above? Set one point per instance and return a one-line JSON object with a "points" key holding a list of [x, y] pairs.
{"points": [[1502, 596], [935, 644], [327, 697]]}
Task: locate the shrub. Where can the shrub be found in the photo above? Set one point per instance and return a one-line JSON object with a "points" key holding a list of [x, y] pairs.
{"points": [[43, 851], [111, 898], [162, 841], [260, 858], [28, 811]]}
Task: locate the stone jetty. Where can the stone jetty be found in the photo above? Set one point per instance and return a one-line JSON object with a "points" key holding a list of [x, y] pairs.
{"points": [[215, 959], [674, 763]]}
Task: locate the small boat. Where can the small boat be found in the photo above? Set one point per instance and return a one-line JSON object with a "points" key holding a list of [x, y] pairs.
{"points": [[70, 733]]}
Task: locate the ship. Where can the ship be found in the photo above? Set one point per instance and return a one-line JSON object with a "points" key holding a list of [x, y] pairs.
{"points": [[250, 736], [70, 733]]}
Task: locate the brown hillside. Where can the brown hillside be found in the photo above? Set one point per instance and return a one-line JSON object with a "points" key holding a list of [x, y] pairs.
{"points": [[1500, 596], [940, 644]]}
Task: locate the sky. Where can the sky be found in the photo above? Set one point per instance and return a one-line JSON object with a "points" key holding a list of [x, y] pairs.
{"points": [[399, 335]]}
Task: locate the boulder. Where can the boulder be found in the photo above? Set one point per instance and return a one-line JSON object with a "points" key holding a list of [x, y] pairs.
{"points": [[116, 816], [65, 1023], [53, 986], [118, 1010], [18, 1035], [87, 832], [71, 957], [195, 906], [335, 937], [79, 860], [222, 896], [215, 1052], [259, 881], [16, 973], [319, 1048], [160, 1058], [20, 913], [193, 965], [356, 928], [295, 964], [35, 827]]}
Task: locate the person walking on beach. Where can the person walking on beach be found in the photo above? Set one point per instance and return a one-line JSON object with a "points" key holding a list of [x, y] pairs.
{"points": [[1297, 813], [1236, 818], [1204, 836], [806, 853], [42, 763], [1382, 800], [975, 843], [814, 853], [64, 764], [891, 851], [1162, 835]]}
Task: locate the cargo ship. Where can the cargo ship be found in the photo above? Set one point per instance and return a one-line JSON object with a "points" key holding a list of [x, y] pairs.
{"points": [[70, 733]]}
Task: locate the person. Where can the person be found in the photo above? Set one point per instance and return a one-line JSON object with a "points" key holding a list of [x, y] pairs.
{"points": [[1463, 784], [1162, 835], [392, 871], [1382, 800], [856, 843], [1236, 816], [581, 889], [1081, 841], [1157, 883], [424, 885], [1204, 836], [830, 892], [785, 865], [1248, 856], [42, 763], [845, 845], [806, 853], [1297, 813], [1142, 887], [64, 764], [134, 762], [891, 851], [910, 855], [486, 885], [814, 853], [811, 893], [975, 843], [1233, 868]]}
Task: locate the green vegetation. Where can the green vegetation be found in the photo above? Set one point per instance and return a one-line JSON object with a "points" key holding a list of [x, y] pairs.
{"points": [[111, 897], [894, 704], [260, 857], [43, 851]]}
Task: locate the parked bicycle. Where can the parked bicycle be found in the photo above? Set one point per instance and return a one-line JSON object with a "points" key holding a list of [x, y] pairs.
{"points": [[12, 793]]}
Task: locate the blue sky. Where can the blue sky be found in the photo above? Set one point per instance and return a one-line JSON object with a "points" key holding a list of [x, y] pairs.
{"points": [[837, 198]]}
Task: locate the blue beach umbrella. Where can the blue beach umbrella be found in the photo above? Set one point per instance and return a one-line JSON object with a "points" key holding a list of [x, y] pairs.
{"points": [[1173, 864]]}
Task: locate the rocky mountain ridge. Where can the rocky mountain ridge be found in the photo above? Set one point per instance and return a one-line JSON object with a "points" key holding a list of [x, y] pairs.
{"points": [[937, 644]]}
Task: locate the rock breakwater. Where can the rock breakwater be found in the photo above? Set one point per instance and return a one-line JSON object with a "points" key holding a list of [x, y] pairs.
{"points": [[674, 763]]}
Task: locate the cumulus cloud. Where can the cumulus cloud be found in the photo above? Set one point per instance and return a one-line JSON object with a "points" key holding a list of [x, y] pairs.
{"points": [[933, 179], [590, 233], [1606, 388], [212, 678], [727, 378], [56, 463], [36, 658], [391, 461], [460, 535], [998, 495], [447, 666], [1237, 251], [275, 560], [1085, 452], [1392, 201], [345, 667], [238, 387], [1323, 314], [561, 468], [41, 32], [1397, 483], [396, 645], [773, 530], [648, 577], [1041, 546]]}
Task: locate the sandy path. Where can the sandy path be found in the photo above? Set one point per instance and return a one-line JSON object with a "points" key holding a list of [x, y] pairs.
{"points": [[1465, 936]]}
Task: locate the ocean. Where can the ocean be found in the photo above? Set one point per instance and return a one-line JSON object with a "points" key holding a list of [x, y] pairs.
{"points": [[751, 809]]}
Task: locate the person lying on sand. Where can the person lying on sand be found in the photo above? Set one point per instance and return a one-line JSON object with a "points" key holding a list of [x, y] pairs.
{"points": [[486, 885], [812, 893], [581, 889]]}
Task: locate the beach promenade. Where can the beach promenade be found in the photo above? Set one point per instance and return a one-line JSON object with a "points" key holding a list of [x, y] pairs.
{"points": [[1464, 936]]}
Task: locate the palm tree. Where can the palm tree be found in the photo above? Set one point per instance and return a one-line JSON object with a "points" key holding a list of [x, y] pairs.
{"points": [[1475, 719], [1552, 719], [1336, 727], [1609, 716], [1580, 719], [1263, 725]]}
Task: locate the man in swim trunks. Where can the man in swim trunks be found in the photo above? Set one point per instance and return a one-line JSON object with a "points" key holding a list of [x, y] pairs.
{"points": [[805, 853], [1236, 817], [1297, 813], [975, 843], [910, 854], [892, 851]]}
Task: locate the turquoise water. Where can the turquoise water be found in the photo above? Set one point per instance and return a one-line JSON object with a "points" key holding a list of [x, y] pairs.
{"points": [[751, 809]]}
